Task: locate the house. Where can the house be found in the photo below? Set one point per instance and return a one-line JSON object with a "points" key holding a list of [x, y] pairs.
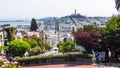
{"points": [[1, 38], [1, 42]]}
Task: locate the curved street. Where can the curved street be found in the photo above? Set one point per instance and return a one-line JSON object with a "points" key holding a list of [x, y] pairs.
{"points": [[78, 64], [63, 66]]}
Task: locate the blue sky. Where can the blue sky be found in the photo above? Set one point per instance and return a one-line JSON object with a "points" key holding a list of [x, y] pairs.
{"points": [[47, 8]]}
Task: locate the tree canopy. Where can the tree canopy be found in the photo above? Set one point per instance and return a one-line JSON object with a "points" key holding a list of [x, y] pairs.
{"points": [[36, 41], [88, 37], [112, 33], [10, 33]]}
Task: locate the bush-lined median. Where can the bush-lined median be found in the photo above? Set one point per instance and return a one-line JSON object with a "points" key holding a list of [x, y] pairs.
{"points": [[52, 58]]}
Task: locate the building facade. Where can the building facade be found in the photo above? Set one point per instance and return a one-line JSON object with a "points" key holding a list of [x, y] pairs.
{"points": [[1, 38]]}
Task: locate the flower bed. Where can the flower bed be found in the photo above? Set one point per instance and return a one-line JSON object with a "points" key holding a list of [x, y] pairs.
{"points": [[9, 65]]}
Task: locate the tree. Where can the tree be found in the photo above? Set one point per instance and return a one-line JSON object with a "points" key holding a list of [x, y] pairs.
{"points": [[117, 4], [18, 47], [41, 43], [33, 25], [32, 42], [10, 33], [66, 46], [88, 37], [111, 35], [36, 41]]}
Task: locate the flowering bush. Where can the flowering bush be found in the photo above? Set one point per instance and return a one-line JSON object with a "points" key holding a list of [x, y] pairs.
{"points": [[1, 63], [11, 65]]}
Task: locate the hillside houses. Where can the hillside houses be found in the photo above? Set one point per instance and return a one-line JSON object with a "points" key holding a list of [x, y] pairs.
{"points": [[48, 28], [67, 24]]}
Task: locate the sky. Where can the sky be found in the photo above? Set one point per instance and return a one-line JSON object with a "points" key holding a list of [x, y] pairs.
{"points": [[55, 8]]}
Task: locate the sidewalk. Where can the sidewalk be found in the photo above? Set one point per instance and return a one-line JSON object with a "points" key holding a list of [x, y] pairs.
{"points": [[107, 65], [76, 65]]}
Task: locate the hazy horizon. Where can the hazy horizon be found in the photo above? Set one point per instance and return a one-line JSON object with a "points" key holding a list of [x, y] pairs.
{"points": [[26, 9]]}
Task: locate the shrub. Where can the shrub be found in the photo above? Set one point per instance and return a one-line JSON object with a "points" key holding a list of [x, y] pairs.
{"points": [[35, 51], [11, 65], [1, 63], [67, 46], [18, 47], [0, 48], [47, 46]]}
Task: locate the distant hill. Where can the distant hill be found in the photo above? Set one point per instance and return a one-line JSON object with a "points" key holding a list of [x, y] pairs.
{"points": [[79, 20], [13, 20], [42, 19], [74, 16], [48, 19]]}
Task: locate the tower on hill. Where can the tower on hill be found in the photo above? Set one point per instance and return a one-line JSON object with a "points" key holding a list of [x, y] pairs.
{"points": [[75, 12]]}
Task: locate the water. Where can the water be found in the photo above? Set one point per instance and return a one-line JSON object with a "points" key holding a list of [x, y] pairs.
{"points": [[16, 23]]}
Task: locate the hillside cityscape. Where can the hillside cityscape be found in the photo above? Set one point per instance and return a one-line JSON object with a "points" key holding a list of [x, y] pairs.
{"points": [[70, 41]]}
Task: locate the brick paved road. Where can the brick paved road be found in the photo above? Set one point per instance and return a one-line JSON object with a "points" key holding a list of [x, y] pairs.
{"points": [[75, 65], [63, 66]]}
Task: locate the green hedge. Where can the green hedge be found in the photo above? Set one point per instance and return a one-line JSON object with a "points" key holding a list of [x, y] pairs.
{"points": [[41, 59], [35, 51]]}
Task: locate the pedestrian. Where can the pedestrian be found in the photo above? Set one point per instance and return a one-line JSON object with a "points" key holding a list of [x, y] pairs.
{"points": [[96, 56], [116, 55], [11, 59], [109, 56], [99, 58]]}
